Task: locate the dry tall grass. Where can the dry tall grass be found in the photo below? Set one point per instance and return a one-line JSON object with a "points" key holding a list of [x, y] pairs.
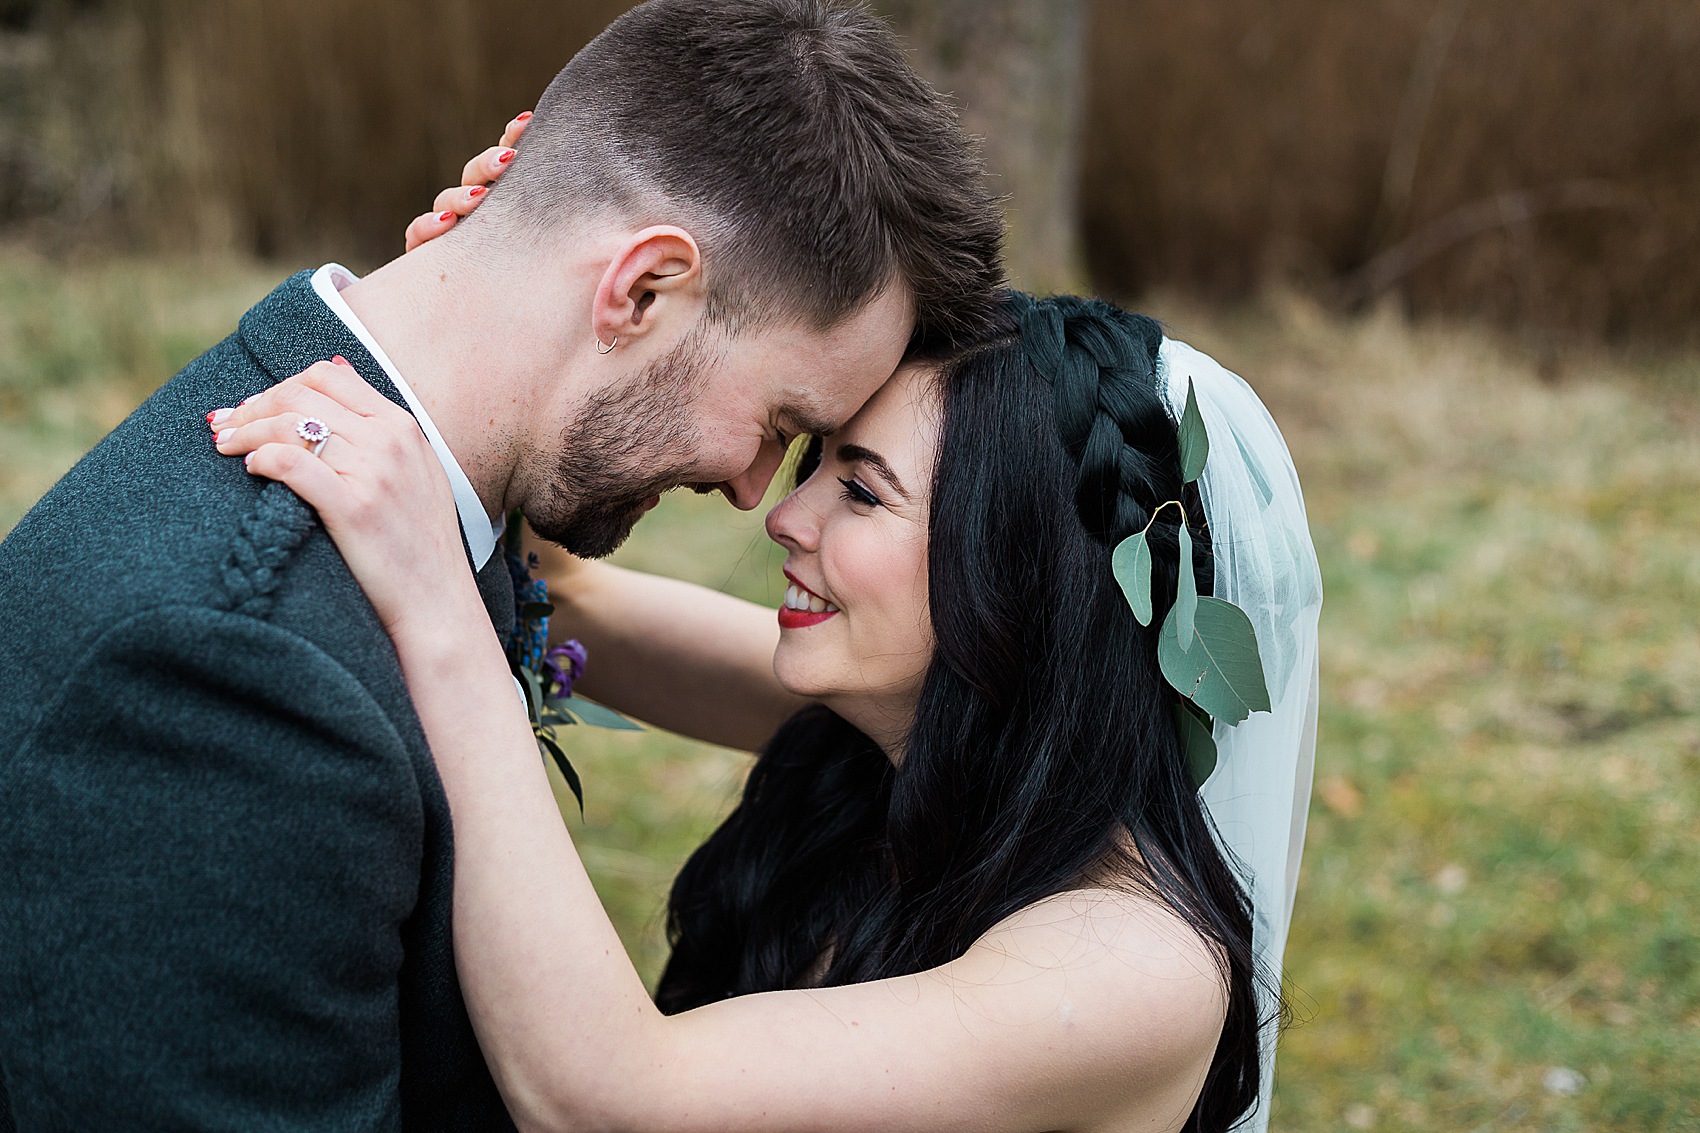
{"points": [[1538, 163], [1534, 162], [277, 129], [320, 120]]}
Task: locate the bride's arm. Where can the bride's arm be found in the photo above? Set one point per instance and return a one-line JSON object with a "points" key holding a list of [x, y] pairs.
{"points": [[1082, 1010], [681, 656], [1076, 1009]]}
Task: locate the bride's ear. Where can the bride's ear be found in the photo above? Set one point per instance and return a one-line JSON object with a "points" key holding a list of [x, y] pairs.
{"points": [[653, 273]]}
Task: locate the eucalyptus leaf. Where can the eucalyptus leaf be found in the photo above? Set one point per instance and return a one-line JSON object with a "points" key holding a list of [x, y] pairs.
{"points": [[533, 692], [1195, 441], [1220, 670], [1199, 746], [594, 714], [1186, 591], [1131, 563], [568, 774]]}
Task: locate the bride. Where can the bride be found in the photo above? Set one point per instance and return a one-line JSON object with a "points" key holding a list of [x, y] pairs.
{"points": [[972, 883]]}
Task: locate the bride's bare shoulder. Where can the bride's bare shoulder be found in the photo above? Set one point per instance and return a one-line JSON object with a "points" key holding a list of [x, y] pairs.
{"points": [[1100, 925], [1135, 974]]}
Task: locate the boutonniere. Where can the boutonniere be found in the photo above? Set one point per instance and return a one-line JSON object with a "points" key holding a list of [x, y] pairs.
{"points": [[545, 673]]}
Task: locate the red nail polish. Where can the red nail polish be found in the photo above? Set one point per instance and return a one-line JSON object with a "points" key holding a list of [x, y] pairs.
{"points": [[505, 156], [446, 215], [523, 116], [475, 192], [210, 413]]}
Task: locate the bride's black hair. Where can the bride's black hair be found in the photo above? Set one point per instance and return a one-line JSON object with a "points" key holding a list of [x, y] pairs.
{"points": [[1044, 729]]}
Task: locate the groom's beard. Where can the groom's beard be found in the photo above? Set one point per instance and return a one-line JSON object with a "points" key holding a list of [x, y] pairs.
{"points": [[630, 444]]}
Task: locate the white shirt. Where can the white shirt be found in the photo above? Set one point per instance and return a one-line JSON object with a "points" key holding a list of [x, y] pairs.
{"points": [[482, 532]]}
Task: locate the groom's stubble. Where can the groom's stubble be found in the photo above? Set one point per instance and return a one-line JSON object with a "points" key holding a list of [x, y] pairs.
{"points": [[632, 441]]}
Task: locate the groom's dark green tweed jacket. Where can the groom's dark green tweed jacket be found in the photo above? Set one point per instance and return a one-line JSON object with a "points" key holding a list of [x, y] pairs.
{"points": [[225, 855]]}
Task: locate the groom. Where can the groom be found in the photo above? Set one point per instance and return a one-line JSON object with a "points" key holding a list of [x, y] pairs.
{"points": [[225, 856]]}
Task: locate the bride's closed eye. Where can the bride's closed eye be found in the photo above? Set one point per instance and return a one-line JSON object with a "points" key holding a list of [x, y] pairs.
{"points": [[857, 494]]}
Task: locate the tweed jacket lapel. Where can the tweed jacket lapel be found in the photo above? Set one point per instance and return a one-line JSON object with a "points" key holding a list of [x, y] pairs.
{"points": [[290, 330]]}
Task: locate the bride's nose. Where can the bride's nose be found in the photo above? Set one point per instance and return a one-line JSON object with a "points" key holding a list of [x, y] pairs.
{"points": [[793, 524]]}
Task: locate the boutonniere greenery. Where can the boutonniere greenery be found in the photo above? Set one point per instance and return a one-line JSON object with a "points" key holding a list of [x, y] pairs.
{"points": [[1207, 648], [546, 673]]}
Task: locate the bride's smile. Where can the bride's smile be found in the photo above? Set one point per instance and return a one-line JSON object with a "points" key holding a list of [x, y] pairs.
{"points": [[856, 632]]}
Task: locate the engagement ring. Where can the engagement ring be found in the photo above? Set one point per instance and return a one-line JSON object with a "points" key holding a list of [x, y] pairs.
{"points": [[315, 432]]}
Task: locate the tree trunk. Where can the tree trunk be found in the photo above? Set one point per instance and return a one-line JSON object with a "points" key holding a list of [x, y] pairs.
{"points": [[1016, 69]]}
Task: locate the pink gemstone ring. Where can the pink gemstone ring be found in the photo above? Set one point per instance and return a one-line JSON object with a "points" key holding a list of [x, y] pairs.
{"points": [[314, 431]]}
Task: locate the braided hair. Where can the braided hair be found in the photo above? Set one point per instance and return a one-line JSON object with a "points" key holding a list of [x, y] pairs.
{"points": [[1044, 737], [1112, 416]]}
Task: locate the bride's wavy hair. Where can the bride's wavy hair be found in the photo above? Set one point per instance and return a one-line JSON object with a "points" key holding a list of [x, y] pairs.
{"points": [[1044, 729]]}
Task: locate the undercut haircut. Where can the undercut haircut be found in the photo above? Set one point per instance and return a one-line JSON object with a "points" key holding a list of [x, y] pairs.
{"points": [[795, 142]]}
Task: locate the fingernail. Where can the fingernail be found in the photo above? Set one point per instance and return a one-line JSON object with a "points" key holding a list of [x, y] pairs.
{"points": [[523, 116], [223, 436], [248, 460], [219, 416], [340, 360], [506, 156], [446, 215], [475, 192]]}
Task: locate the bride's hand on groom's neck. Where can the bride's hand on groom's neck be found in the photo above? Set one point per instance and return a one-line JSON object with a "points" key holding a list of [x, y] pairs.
{"points": [[379, 490], [475, 181]]}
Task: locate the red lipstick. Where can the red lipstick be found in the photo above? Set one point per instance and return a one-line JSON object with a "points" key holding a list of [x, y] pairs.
{"points": [[801, 619]]}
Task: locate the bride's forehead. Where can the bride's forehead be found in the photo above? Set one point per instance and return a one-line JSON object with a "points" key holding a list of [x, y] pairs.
{"points": [[904, 406]]}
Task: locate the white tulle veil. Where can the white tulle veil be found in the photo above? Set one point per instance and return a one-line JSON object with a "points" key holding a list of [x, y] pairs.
{"points": [[1259, 794]]}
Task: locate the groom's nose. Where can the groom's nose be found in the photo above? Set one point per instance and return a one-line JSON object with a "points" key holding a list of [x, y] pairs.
{"points": [[747, 489]]}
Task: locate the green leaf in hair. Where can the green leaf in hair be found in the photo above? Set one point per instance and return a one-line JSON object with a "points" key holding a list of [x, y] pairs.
{"points": [[1131, 562], [1219, 669], [1192, 724], [1195, 441], [1186, 590]]}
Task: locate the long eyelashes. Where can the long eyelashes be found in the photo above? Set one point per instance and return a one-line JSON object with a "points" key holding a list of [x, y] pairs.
{"points": [[856, 494]]}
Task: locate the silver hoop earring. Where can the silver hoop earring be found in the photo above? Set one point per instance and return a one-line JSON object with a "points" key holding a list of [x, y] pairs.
{"points": [[609, 348]]}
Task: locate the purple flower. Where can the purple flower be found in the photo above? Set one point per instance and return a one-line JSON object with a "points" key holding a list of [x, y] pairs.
{"points": [[564, 664]]}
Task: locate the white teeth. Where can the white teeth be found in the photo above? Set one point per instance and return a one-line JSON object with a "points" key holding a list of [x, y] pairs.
{"points": [[801, 600]]}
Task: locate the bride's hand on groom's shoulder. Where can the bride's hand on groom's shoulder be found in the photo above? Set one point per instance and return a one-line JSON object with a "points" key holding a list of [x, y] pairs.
{"points": [[371, 475], [475, 180]]}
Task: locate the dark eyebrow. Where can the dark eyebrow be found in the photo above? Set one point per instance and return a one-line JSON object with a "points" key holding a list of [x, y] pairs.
{"points": [[856, 454], [806, 419]]}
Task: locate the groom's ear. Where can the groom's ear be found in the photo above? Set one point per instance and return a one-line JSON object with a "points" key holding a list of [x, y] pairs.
{"points": [[654, 270]]}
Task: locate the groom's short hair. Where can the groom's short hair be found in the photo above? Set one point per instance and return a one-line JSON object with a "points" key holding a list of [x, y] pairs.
{"points": [[814, 166]]}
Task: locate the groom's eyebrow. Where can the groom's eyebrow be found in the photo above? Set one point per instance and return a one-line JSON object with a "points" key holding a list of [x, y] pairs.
{"points": [[807, 420]]}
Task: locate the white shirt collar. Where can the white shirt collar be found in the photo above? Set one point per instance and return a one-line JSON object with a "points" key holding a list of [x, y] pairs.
{"points": [[482, 532]]}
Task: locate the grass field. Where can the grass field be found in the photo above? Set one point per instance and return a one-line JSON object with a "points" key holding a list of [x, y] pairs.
{"points": [[1498, 926]]}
